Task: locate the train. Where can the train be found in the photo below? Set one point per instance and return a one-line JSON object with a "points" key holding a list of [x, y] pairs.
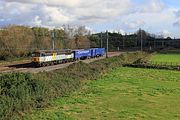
{"points": [[42, 58]]}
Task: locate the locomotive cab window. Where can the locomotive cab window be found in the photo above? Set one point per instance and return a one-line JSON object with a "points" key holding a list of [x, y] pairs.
{"points": [[43, 55], [36, 54]]}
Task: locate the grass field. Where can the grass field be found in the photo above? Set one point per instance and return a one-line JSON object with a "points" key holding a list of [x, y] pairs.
{"points": [[124, 93], [166, 58]]}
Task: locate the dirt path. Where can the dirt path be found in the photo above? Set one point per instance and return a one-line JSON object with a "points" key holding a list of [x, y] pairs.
{"points": [[26, 66]]}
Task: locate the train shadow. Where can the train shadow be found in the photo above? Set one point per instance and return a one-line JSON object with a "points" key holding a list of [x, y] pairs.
{"points": [[23, 65]]}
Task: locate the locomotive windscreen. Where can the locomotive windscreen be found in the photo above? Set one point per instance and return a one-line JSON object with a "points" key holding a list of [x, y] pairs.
{"points": [[36, 54]]}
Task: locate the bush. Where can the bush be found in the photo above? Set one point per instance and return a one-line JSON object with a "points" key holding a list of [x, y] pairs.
{"points": [[17, 93]]}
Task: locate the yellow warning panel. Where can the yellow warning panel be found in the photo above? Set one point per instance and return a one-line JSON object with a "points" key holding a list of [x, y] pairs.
{"points": [[54, 56]]}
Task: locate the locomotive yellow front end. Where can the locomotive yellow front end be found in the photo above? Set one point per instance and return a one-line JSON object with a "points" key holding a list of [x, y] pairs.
{"points": [[36, 58]]}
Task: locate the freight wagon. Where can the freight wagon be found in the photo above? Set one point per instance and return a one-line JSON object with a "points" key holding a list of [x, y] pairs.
{"points": [[82, 54], [99, 52]]}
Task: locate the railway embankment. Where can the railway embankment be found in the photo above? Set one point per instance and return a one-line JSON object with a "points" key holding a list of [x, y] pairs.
{"points": [[22, 92]]}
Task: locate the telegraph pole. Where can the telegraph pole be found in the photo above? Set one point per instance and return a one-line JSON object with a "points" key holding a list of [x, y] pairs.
{"points": [[101, 40], [62, 41], [53, 40], [107, 42], [141, 40], [124, 40]]}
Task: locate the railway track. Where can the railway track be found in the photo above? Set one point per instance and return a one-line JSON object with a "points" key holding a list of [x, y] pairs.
{"points": [[27, 67]]}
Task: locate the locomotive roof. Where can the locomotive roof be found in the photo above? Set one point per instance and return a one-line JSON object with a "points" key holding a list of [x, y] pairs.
{"points": [[51, 51]]}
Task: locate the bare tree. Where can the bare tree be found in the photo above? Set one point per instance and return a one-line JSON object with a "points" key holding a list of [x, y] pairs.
{"points": [[76, 36]]}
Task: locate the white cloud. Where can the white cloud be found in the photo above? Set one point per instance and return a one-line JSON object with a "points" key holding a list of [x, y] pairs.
{"points": [[21, 14], [122, 31], [152, 6], [97, 11], [37, 21], [164, 33], [28, 14], [152, 22], [52, 16], [58, 12], [117, 31], [135, 24]]}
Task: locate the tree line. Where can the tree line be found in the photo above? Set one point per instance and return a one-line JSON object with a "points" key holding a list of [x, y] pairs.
{"points": [[21, 41], [118, 41]]}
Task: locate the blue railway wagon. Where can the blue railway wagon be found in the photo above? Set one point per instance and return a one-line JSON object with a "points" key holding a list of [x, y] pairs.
{"points": [[100, 51], [93, 52], [82, 54]]}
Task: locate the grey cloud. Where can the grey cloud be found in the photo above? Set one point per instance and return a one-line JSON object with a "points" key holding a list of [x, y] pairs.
{"points": [[177, 13], [176, 24], [67, 3], [91, 17]]}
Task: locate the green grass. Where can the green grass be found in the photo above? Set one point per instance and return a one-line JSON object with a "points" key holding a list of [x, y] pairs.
{"points": [[22, 92], [10, 61], [123, 93], [166, 58]]}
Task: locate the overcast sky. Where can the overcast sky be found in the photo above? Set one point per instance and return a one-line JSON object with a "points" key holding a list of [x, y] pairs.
{"points": [[155, 16]]}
